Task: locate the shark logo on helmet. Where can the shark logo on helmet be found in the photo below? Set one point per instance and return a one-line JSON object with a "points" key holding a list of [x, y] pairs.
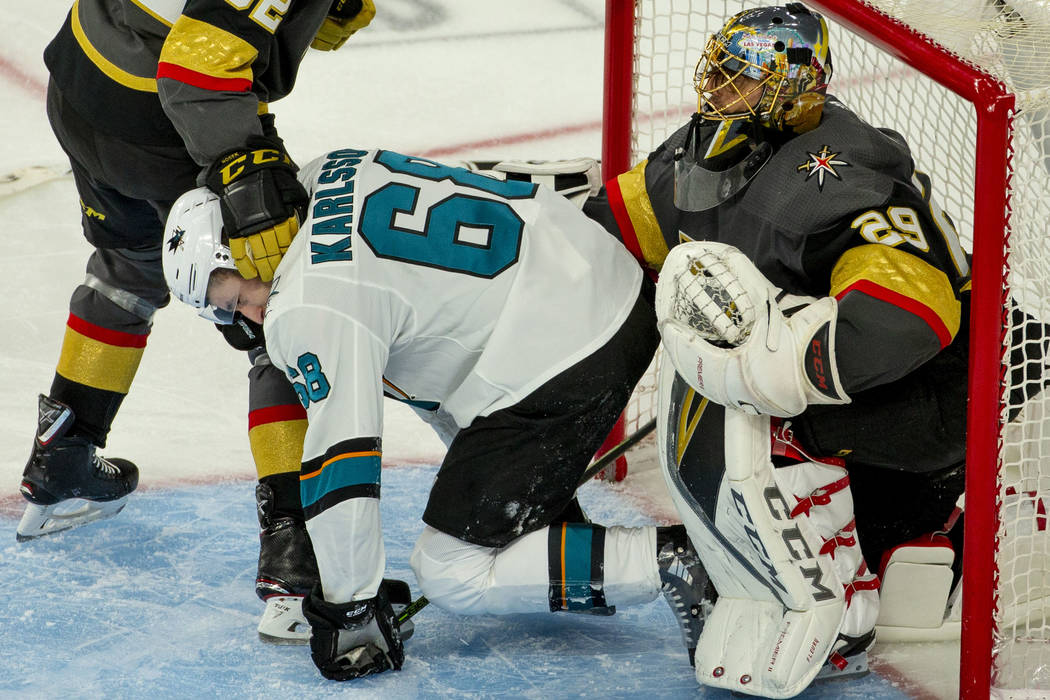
{"points": [[177, 239]]}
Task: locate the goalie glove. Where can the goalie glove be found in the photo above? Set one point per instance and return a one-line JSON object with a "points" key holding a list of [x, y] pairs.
{"points": [[739, 340], [359, 638], [575, 179], [261, 200], [344, 18]]}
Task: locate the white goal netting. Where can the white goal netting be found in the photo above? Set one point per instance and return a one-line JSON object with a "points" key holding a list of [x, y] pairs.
{"points": [[1010, 42]]}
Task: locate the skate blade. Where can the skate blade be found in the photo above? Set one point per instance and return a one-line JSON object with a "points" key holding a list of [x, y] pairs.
{"points": [[38, 520], [856, 666], [283, 622]]}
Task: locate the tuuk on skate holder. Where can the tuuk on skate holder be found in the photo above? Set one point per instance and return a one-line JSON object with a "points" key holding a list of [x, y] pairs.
{"points": [[595, 467]]}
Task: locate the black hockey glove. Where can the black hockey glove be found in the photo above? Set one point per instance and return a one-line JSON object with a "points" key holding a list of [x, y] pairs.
{"points": [[350, 640], [243, 333], [261, 202]]}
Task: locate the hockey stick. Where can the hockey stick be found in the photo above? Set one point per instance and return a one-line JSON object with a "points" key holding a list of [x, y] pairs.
{"points": [[412, 608], [601, 463], [616, 452]]}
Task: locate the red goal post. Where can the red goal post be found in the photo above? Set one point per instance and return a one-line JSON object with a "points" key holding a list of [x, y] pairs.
{"points": [[967, 82]]}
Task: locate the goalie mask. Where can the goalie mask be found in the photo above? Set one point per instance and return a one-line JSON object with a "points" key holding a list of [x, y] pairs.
{"points": [[193, 249], [771, 65], [766, 70]]}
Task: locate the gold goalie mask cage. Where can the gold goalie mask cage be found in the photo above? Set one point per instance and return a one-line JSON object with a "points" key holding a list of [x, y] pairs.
{"points": [[775, 61], [767, 68]]}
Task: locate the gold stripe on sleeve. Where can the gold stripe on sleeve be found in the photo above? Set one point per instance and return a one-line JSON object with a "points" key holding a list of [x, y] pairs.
{"points": [[206, 49], [640, 210], [111, 70], [902, 273]]}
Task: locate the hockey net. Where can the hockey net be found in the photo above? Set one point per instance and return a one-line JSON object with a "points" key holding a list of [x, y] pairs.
{"points": [[967, 82]]}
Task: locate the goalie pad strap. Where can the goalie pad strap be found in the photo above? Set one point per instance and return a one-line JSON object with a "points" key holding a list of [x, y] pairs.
{"points": [[820, 497]]}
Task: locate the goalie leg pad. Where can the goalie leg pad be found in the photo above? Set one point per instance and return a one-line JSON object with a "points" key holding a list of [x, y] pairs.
{"points": [[782, 602], [916, 585], [820, 494]]}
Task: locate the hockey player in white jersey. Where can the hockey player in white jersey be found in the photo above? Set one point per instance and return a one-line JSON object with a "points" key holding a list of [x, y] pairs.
{"points": [[512, 324]]}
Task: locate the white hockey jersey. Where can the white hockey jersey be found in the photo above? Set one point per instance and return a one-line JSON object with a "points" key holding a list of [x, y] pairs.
{"points": [[453, 291]]}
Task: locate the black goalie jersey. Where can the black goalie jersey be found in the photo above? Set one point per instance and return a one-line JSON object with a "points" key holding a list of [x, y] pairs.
{"points": [[839, 211]]}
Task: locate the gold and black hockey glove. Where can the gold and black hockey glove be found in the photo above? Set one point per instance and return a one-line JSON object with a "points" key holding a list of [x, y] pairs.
{"points": [[359, 638], [261, 202], [344, 18]]}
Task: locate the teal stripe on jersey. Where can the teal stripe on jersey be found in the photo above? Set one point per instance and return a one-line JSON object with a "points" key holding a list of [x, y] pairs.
{"points": [[341, 472], [577, 556]]}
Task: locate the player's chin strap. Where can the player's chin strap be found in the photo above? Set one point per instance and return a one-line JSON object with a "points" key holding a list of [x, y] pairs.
{"points": [[575, 179], [782, 552], [739, 340]]}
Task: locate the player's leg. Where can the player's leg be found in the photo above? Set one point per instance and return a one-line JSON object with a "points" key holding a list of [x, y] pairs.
{"points": [[495, 543], [110, 316], [109, 321], [287, 567]]}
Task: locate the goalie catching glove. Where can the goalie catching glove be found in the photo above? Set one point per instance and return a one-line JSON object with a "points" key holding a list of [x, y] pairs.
{"points": [[739, 340], [260, 199], [359, 638], [344, 18]]}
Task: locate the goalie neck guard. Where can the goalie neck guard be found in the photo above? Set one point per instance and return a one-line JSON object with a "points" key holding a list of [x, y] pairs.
{"points": [[193, 249]]}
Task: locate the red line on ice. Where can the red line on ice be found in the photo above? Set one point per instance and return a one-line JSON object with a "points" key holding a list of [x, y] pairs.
{"points": [[12, 73], [511, 139]]}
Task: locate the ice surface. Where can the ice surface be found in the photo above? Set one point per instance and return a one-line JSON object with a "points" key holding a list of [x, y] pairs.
{"points": [[159, 601]]}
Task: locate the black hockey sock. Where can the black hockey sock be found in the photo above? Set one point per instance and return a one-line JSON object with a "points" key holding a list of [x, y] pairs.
{"points": [[284, 489]]}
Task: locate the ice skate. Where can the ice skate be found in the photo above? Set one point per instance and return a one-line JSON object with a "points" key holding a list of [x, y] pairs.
{"points": [[850, 659], [685, 585], [66, 484], [287, 571]]}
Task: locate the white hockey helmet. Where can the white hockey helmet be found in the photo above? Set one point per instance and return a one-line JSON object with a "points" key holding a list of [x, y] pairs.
{"points": [[193, 249]]}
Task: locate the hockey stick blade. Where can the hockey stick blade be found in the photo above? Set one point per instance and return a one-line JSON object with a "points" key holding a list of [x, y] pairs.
{"points": [[616, 452], [412, 608], [31, 176]]}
